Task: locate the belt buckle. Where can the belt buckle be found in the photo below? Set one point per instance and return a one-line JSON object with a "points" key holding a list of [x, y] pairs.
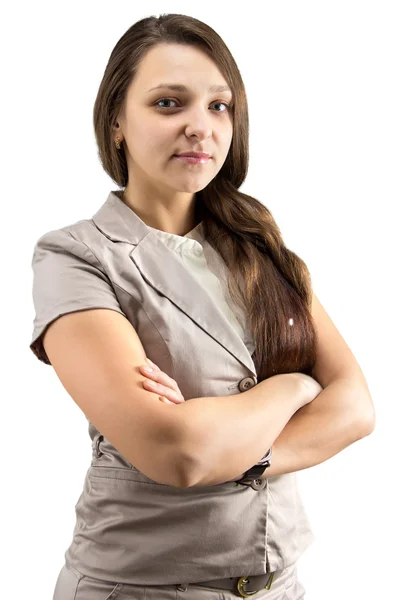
{"points": [[243, 580]]}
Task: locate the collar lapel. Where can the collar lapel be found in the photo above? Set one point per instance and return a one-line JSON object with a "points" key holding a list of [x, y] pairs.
{"points": [[162, 269]]}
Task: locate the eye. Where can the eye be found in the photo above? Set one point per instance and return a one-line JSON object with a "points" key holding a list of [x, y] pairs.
{"points": [[164, 100], [228, 106]]}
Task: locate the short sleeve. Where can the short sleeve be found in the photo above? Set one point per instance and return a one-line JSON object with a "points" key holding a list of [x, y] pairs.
{"points": [[67, 277]]}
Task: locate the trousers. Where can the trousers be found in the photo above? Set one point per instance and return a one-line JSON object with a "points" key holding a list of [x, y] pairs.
{"points": [[73, 585]]}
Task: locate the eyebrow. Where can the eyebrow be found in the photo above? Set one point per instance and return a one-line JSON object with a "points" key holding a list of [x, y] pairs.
{"points": [[178, 87]]}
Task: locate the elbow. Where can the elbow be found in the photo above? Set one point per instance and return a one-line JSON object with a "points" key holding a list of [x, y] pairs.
{"points": [[187, 472], [187, 446], [368, 418], [368, 426], [192, 471], [363, 413], [166, 459], [169, 467], [183, 462], [178, 470], [365, 425], [187, 467]]}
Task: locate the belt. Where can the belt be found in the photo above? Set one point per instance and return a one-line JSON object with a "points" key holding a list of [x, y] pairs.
{"points": [[243, 586]]}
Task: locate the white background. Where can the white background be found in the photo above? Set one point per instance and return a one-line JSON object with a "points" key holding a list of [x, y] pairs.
{"points": [[322, 80]]}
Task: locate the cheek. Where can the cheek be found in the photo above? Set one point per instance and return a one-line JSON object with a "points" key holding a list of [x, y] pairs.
{"points": [[157, 139], [227, 135]]}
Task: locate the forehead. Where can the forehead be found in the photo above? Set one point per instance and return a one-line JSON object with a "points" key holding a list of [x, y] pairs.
{"points": [[179, 64]]}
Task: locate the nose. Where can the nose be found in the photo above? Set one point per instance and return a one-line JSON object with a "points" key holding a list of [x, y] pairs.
{"points": [[198, 123]]}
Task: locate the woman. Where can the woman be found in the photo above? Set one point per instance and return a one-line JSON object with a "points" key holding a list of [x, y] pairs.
{"points": [[181, 268]]}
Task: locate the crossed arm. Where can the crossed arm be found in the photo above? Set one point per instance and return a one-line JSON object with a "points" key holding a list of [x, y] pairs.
{"points": [[339, 416]]}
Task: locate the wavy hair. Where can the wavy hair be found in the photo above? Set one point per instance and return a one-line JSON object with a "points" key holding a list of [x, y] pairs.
{"points": [[269, 282]]}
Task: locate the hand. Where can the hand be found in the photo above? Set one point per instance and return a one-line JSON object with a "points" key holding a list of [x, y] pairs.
{"points": [[159, 382], [298, 388], [311, 385]]}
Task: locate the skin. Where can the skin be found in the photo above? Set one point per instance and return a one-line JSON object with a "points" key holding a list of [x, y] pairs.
{"points": [[159, 382], [162, 189]]}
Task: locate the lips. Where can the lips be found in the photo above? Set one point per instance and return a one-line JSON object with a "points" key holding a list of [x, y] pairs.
{"points": [[195, 154]]}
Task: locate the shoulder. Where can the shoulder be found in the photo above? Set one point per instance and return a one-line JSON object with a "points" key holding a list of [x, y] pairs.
{"points": [[76, 239]]}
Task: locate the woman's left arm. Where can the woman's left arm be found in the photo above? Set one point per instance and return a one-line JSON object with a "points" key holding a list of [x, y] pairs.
{"points": [[339, 416]]}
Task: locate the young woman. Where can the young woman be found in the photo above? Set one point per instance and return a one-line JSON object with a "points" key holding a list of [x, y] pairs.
{"points": [[183, 497]]}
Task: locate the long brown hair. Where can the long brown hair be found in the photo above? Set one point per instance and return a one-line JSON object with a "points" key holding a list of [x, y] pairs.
{"points": [[269, 282]]}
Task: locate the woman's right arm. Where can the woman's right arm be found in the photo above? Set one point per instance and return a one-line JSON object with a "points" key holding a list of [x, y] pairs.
{"points": [[226, 435]]}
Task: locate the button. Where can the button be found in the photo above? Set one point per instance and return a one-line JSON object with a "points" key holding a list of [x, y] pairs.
{"points": [[97, 450], [246, 384], [259, 484]]}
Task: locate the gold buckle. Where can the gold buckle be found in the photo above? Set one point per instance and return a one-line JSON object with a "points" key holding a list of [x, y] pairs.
{"points": [[243, 580], [270, 580]]}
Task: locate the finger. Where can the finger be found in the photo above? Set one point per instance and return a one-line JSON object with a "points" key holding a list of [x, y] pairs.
{"points": [[152, 364], [165, 400], [158, 388], [162, 378]]}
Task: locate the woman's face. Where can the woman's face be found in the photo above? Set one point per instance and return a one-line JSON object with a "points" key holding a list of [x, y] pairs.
{"points": [[159, 123]]}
